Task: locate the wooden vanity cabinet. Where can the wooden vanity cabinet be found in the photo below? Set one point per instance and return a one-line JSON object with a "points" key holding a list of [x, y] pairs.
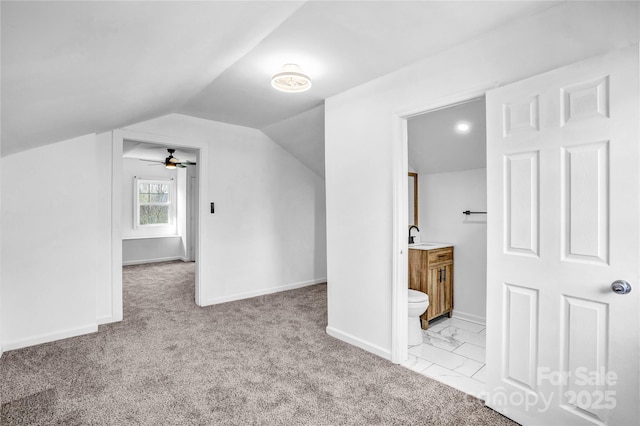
{"points": [[431, 272]]}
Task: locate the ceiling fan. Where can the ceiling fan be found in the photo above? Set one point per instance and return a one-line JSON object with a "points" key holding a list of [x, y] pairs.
{"points": [[172, 162]]}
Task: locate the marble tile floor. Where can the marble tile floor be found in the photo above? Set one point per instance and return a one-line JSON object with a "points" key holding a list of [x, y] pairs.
{"points": [[452, 352]]}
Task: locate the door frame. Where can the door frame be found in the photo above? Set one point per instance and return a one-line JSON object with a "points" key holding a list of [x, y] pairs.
{"points": [[400, 168], [117, 142], [193, 208]]}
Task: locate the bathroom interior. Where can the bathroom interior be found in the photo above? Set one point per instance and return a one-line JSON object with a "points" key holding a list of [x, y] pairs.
{"points": [[447, 244]]}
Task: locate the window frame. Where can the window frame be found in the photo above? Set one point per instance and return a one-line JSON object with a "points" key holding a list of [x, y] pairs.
{"points": [[170, 203]]}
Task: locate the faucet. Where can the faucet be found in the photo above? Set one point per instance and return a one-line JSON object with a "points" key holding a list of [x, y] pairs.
{"points": [[411, 237]]}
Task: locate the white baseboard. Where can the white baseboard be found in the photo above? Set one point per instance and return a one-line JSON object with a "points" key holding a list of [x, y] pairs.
{"points": [[255, 293], [356, 341], [105, 319], [143, 261], [469, 317], [46, 338]]}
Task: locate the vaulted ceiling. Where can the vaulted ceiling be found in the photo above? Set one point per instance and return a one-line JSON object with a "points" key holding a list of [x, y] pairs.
{"points": [[72, 68]]}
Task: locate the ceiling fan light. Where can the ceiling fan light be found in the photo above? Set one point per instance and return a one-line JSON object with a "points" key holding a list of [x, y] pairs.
{"points": [[291, 79], [170, 165]]}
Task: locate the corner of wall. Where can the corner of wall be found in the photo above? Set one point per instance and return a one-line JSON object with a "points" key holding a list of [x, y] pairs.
{"points": [[262, 292], [470, 317], [51, 337], [356, 341]]}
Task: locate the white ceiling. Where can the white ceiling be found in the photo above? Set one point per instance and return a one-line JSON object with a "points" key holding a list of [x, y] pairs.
{"points": [[72, 68], [436, 147], [341, 45]]}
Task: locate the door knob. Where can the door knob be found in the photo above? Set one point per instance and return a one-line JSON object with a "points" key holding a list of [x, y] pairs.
{"points": [[620, 287]]}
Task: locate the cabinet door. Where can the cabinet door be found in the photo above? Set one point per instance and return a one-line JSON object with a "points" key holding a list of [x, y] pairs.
{"points": [[434, 291], [446, 288], [440, 290]]}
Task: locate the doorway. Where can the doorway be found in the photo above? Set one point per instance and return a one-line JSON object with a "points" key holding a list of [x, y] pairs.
{"points": [[447, 156], [399, 294], [194, 251], [158, 220]]}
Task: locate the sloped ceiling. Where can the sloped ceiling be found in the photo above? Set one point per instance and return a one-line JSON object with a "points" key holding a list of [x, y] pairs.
{"points": [[341, 45], [72, 68], [303, 136]]}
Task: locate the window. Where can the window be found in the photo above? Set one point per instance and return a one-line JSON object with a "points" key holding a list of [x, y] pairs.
{"points": [[153, 199]]}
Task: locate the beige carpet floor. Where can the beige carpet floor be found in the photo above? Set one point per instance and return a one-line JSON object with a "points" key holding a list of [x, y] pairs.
{"points": [[262, 361]]}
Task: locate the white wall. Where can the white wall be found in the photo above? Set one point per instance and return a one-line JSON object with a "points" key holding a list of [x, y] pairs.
{"points": [[268, 230], [53, 218], [136, 251], [442, 198], [152, 244], [360, 139]]}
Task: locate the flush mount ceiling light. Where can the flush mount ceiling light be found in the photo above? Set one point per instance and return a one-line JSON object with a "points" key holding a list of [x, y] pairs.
{"points": [[291, 79], [463, 127]]}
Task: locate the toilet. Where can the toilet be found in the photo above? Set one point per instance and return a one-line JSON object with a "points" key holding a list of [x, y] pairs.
{"points": [[418, 304]]}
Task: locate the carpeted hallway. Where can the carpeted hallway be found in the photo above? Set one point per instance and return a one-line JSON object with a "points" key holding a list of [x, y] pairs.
{"points": [[265, 360]]}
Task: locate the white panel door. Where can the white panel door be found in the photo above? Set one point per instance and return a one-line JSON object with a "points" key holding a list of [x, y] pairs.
{"points": [[563, 176]]}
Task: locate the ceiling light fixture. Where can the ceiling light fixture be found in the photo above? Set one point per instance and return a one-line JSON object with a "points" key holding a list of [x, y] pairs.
{"points": [[170, 161], [463, 127], [291, 79]]}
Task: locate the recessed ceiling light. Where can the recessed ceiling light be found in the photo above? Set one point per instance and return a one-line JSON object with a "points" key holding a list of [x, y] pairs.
{"points": [[291, 79], [463, 127]]}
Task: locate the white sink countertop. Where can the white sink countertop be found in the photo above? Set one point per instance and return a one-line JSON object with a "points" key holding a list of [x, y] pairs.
{"points": [[429, 246]]}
